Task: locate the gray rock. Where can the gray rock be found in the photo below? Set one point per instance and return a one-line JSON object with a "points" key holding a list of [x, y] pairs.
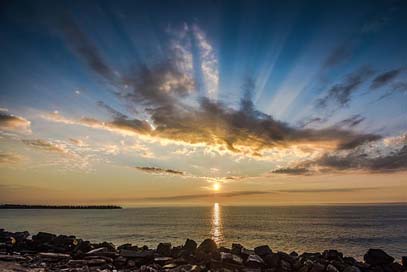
{"points": [[285, 266], [136, 253], [377, 257], [11, 258], [96, 262], [231, 258]]}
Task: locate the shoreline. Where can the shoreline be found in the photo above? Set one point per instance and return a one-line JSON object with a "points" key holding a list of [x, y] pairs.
{"points": [[19, 251]]}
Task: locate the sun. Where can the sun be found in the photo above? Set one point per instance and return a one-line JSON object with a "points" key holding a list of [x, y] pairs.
{"points": [[216, 186]]}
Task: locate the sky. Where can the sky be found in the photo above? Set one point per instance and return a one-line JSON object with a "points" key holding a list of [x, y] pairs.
{"points": [[142, 103]]}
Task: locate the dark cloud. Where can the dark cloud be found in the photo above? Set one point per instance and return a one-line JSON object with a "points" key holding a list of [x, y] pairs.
{"points": [[385, 78], [292, 171], [340, 54], [310, 121], [328, 190], [351, 122], [44, 145], [157, 170], [14, 123], [116, 114], [339, 95], [84, 47], [9, 158], [376, 157]]}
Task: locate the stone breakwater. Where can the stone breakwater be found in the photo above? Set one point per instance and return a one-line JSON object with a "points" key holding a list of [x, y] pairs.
{"points": [[49, 252]]}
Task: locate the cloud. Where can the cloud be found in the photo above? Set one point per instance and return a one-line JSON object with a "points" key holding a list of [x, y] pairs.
{"points": [[80, 43], [339, 95], [10, 158], [205, 195], [351, 122], [328, 190], [380, 156], [385, 78], [167, 107], [209, 62], [9, 122], [160, 171], [44, 145]]}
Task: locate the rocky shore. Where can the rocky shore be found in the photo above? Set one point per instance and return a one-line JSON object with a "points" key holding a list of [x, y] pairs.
{"points": [[19, 251]]}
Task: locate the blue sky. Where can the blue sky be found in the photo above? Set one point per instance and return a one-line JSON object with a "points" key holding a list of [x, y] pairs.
{"points": [[249, 89]]}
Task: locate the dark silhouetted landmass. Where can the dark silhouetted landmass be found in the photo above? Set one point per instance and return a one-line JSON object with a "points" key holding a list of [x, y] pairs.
{"points": [[98, 207]]}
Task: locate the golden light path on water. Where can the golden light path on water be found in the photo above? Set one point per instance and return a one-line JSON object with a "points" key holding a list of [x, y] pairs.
{"points": [[217, 228]]}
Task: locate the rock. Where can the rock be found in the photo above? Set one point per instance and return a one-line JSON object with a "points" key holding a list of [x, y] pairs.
{"points": [[137, 253], [170, 266], [254, 261], [224, 249], [186, 268], [43, 237], [331, 268], [189, 246], [404, 261], [76, 263], [303, 268], [208, 246], [164, 249], [230, 258], [285, 266], [263, 250], [162, 260], [351, 268], [95, 262], [272, 260], [294, 254], [311, 256], [332, 254], [124, 246], [377, 257], [49, 255], [286, 257], [236, 249], [349, 260], [11, 258], [317, 267], [396, 267]]}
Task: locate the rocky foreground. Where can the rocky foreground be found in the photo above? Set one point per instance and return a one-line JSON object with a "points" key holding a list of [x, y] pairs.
{"points": [[49, 252]]}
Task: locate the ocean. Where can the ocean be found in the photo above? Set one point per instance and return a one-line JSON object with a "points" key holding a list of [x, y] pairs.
{"points": [[350, 229]]}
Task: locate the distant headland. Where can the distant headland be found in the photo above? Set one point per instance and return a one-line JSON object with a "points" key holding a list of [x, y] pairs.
{"points": [[73, 207]]}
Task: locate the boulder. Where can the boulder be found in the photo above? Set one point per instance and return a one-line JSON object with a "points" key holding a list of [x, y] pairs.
{"points": [[189, 247], [272, 260], [162, 260], [254, 261], [332, 254], [230, 258], [396, 267], [43, 237], [377, 257], [262, 250], [331, 268], [351, 268], [317, 267], [208, 246], [404, 261], [285, 266], [11, 258], [236, 249], [164, 249]]}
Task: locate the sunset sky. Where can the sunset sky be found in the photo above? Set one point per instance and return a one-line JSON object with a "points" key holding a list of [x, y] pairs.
{"points": [[195, 102]]}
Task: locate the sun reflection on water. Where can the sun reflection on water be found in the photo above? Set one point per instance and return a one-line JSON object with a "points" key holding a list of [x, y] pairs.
{"points": [[217, 228]]}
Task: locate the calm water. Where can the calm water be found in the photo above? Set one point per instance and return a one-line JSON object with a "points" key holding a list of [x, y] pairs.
{"points": [[351, 229]]}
